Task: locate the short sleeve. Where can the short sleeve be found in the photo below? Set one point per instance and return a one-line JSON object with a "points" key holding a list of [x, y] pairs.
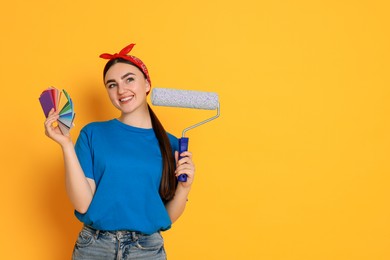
{"points": [[174, 143]]}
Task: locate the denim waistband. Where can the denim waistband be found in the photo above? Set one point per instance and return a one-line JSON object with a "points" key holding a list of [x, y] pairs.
{"points": [[114, 234]]}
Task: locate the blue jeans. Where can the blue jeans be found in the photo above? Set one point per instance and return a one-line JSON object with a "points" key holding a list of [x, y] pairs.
{"points": [[95, 244]]}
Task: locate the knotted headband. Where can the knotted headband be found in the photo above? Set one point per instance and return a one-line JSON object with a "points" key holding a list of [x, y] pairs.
{"points": [[123, 55]]}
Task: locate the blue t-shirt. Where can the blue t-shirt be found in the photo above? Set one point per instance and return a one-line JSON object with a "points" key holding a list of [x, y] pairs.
{"points": [[126, 164]]}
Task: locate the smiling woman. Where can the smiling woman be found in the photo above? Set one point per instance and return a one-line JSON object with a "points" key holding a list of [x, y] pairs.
{"points": [[127, 89], [121, 174]]}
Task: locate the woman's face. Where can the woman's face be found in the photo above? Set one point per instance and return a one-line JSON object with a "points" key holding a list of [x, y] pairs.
{"points": [[126, 87]]}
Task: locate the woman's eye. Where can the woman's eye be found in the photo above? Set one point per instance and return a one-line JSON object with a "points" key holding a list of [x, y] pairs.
{"points": [[129, 79], [111, 85]]}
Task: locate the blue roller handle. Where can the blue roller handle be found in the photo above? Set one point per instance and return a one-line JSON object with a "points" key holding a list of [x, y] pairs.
{"points": [[183, 147]]}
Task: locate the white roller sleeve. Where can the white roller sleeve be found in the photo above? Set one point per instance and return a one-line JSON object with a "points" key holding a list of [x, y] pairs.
{"points": [[184, 98]]}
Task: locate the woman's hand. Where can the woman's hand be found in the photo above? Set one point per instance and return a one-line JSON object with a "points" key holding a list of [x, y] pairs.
{"points": [[185, 166], [53, 131]]}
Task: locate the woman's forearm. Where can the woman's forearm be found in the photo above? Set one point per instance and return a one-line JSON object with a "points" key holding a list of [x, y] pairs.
{"points": [[176, 206], [80, 190]]}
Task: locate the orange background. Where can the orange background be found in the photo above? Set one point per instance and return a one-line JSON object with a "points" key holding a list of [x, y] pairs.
{"points": [[296, 167]]}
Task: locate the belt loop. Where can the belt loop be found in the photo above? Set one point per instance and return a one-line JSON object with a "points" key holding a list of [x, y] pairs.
{"points": [[134, 235], [97, 234]]}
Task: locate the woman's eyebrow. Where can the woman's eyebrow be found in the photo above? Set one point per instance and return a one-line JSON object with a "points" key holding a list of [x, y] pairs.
{"points": [[123, 77], [127, 74], [110, 81]]}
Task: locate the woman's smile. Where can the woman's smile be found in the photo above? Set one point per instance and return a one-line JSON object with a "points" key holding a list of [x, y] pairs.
{"points": [[126, 99]]}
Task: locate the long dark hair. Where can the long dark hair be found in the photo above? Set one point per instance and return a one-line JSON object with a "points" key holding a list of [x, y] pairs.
{"points": [[168, 181]]}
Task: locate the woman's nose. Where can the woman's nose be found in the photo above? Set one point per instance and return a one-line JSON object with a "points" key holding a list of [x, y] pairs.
{"points": [[121, 88]]}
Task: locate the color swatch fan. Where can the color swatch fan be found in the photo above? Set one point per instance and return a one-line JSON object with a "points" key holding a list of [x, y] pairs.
{"points": [[52, 98]]}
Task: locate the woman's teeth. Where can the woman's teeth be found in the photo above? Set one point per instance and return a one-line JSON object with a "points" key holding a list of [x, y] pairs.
{"points": [[125, 99]]}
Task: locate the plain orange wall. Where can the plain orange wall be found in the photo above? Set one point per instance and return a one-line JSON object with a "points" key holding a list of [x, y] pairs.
{"points": [[296, 167]]}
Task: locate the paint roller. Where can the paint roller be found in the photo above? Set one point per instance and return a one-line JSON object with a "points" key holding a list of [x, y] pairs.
{"points": [[186, 99]]}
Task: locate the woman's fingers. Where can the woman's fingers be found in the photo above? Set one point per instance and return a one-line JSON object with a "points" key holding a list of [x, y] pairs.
{"points": [[185, 165], [50, 123], [50, 120], [186, 154], [186, 158], [52, 129], [51, 117]]}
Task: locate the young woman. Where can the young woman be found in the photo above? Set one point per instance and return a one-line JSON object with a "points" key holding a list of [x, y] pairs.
{"points": [[121, 175]]}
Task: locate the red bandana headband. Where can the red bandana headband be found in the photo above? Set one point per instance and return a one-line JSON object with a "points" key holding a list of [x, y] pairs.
{"points": [[123, 55]]}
